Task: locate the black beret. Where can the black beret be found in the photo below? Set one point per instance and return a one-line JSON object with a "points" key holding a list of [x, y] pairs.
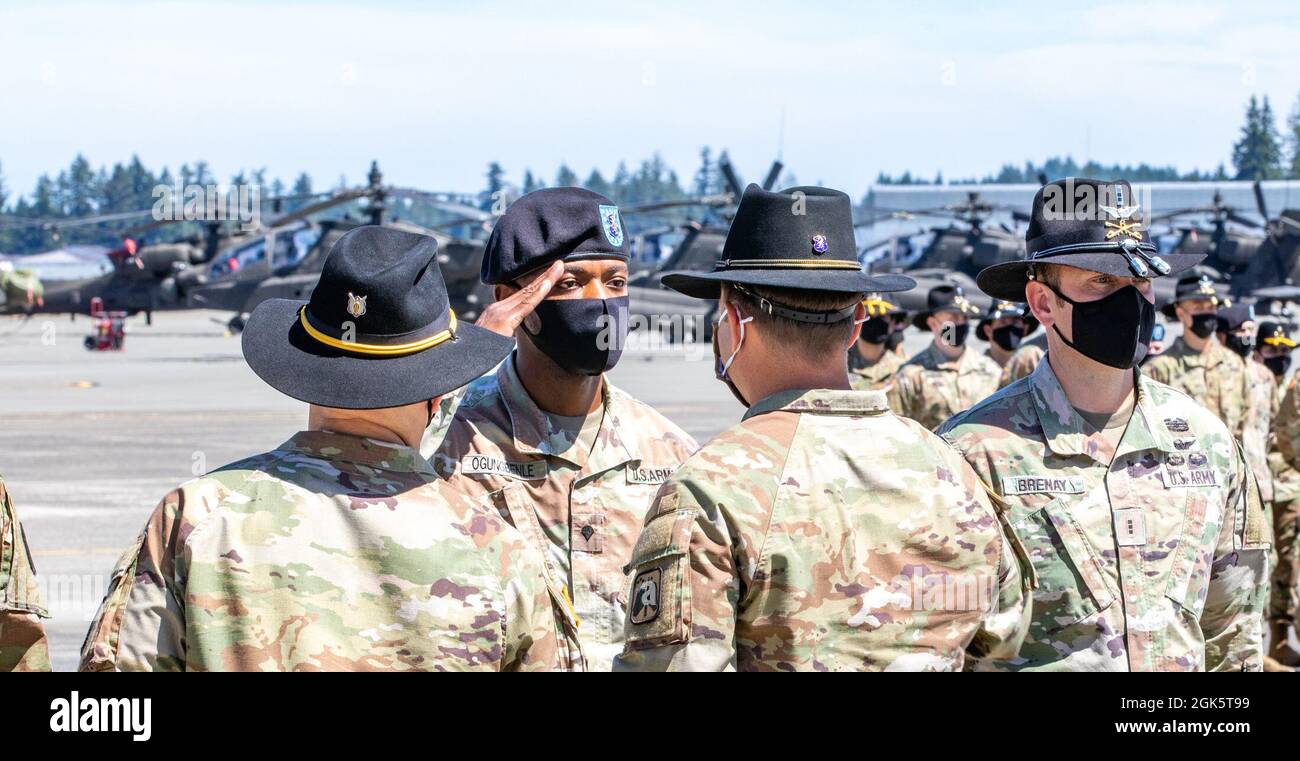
{"points": [[550, 224]]}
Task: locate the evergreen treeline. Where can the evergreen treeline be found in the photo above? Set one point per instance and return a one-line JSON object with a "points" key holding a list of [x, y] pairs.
{"points": [[1260, 153]]}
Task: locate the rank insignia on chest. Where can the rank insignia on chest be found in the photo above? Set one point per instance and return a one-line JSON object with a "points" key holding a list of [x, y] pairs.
{"points": [[1176, 425], [1040, 484], [486, 465], [645, 597], [647, 474], [1130, 527]]}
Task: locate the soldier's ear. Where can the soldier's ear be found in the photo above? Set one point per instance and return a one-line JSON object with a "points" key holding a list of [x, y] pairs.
{"points": [[859, 316], [1041, 302]]}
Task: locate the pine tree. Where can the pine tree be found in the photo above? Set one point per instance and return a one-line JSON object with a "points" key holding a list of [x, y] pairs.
{"points": [[597, 183], [1258, 155], [704, 181], [1293, 141], [495, 184], [530, 182], [565, 178]]}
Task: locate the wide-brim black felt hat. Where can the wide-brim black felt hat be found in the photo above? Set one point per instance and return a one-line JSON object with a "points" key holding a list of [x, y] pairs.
{"points": [[1000, 309], [794, 238], [944, 298], [378, 331], [1192, 287], [1090, 224]]}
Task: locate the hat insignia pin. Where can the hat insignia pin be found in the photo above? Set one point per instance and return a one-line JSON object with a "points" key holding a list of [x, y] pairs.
{"points": [[1121, 222], [819, 244], [609, 224], [356, 304]]}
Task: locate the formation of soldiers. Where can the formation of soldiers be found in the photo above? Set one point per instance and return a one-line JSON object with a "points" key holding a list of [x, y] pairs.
{"points": [[481, 497]]}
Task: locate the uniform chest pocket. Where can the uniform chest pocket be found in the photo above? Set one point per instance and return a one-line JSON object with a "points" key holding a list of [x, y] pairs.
{"points": [[1071, 585]]}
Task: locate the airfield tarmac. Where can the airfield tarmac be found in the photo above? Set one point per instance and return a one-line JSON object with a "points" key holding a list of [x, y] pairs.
{"points": [[90, 441]]}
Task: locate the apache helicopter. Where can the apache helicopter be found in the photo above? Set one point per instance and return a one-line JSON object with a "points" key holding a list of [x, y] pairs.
{"points": [[699, 250], [247, 276], [1252, 255], [141, 278], [968, 245]]}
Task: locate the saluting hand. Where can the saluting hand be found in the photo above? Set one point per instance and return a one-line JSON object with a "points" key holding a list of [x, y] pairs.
{"points": [[502, 317]]}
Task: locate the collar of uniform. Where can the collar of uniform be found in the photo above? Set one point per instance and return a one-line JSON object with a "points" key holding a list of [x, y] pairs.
{"points": [[1153, 434], [1063, 427], [344, 447], [1192, 358], [937, 360], [531, 428], [821, 401]]}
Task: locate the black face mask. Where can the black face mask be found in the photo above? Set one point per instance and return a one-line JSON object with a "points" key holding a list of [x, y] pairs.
{"points": [[1204, 324], [894, 340], [955, 335], [875, 331], [1008, 336], [1278, 365], [582, 336], [1243, 345], [1114, 331]]}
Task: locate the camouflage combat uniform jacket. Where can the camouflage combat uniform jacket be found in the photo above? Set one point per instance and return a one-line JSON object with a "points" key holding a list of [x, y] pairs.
{"points": [[1152, 557], [823, 533], [1216, 379], [877, 377], [580, 499], [1022, 364], [1285, 459], [331, 552], [22, 636], [930, 388]]}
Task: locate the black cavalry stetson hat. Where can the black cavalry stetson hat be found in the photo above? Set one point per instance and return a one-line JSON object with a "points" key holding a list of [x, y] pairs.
{"points": [[1194, 287], [550, 224], [999, 309], [944, 298], [378, 332], [794, 238], [1090, 224]]}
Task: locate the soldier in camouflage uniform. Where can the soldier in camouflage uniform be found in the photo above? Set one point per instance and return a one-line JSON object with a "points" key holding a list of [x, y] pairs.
{"points": [[564, 456], [1005, 328], [340, 549], [947, 377], [1236, 333], [874, 359], [1021, 364], [822, 532], [1273, 347], [1135, 503], [1197, 364], [22, 635]]}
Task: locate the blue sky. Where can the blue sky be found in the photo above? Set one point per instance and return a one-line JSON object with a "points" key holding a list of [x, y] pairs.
{"points": [[436, 90]]}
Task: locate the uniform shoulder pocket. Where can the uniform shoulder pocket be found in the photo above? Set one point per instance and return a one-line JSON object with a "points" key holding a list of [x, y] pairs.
{"points": [[659, 604]]}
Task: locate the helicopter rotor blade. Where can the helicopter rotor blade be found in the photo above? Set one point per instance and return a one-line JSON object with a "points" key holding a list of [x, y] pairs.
{"points": [[729, 174], [1259, 200], [773, 174]]}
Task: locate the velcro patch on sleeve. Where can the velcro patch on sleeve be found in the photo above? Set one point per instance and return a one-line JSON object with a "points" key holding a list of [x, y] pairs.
{"points": [[659, 589]]}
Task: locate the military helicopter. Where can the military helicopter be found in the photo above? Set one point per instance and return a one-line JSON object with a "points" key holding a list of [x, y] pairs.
{"points": [[699, 249], [143, 278], [286, 262], [1230, 250], [967, 245]]}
